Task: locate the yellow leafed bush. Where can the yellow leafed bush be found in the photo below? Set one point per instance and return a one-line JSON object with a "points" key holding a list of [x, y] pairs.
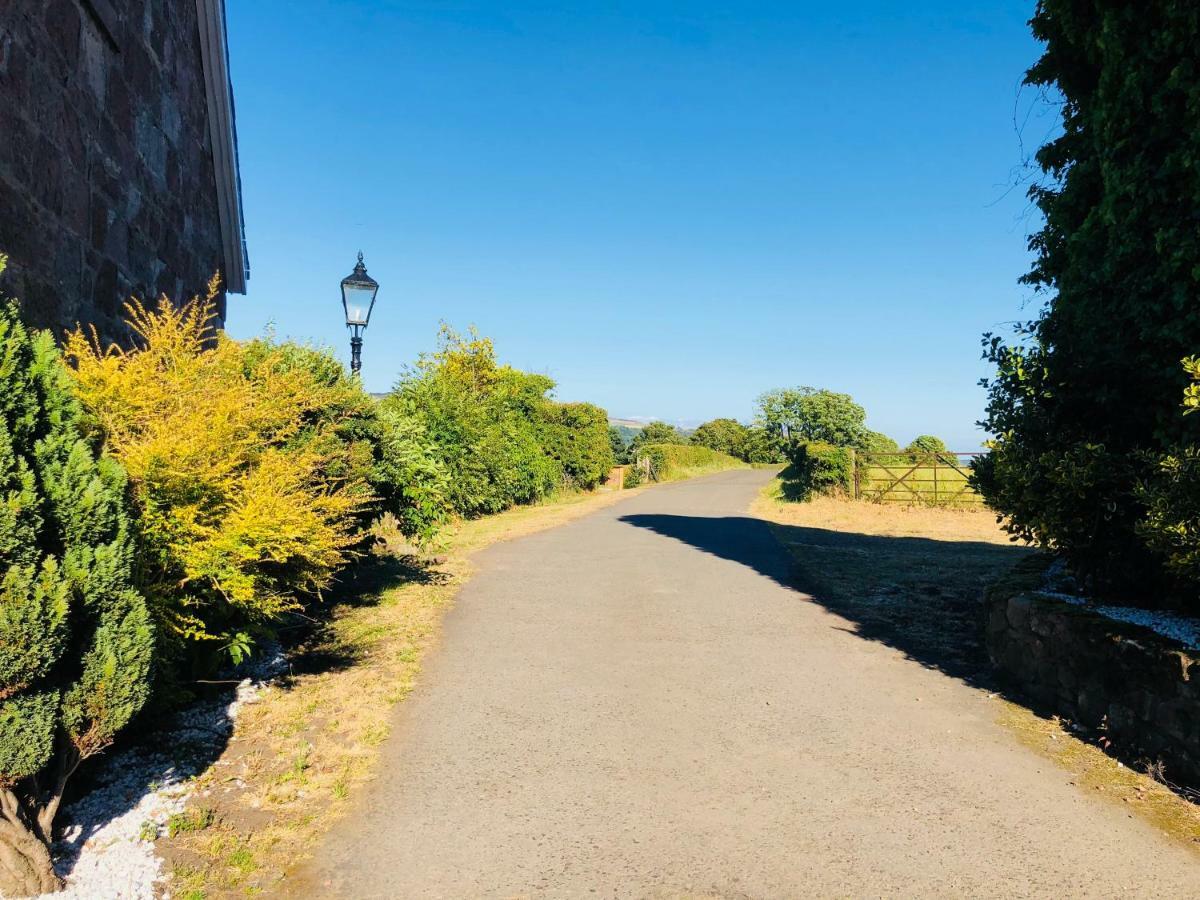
{"points": [[224, 449]]}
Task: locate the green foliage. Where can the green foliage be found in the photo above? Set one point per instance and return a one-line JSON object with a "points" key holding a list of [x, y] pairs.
{"points": [[727, 436], [251, 465], [494, 431], [926, 443], [617, 445], [75, 636], [877, 442], [818, 468], [654, 433], [409, 476], [671, 462], [626, 432], [1171, 495], [813, 414], [1084, 401], [761, 447], [576, 436]]}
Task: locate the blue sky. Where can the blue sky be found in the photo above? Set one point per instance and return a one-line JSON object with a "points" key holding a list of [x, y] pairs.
{"points": [[667, 207]]}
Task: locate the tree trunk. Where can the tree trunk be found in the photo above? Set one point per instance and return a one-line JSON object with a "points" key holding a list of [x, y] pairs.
{"points": [[26, 868]]}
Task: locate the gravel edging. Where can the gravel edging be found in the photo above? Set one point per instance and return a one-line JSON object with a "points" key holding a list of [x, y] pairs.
{"points": [[106, 846]]}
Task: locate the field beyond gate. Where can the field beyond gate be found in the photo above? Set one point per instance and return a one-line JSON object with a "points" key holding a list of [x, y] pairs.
{"points": [[932, 479]]}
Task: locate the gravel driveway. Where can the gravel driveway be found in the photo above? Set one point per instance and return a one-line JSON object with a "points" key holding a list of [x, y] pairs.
{"points": [[637, 705]]}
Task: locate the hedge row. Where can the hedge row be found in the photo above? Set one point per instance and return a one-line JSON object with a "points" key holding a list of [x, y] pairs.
{"points": [[672, 462], [163, 509]]}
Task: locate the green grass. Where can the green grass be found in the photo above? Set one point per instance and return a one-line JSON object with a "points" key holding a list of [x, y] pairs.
{"points": [[675, 462]]}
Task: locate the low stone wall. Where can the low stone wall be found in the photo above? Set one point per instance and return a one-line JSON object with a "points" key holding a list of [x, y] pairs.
{"points": [[1140, 689]]}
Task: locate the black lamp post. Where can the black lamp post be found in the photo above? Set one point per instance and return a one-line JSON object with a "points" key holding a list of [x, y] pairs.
{"points": [[358, 298]]}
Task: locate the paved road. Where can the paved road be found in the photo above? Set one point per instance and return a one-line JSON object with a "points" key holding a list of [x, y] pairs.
{"points": [[635, 705]]}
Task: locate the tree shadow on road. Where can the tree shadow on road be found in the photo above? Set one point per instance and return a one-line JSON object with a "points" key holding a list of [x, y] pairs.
{"points": [[922, 596]]}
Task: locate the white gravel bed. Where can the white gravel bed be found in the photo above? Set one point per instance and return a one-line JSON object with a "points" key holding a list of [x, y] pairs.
{"points": [[1185, 629], [106, 848]]}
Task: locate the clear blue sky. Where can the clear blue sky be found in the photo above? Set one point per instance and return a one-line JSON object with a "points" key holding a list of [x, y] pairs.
{"points": [[668, 207]]}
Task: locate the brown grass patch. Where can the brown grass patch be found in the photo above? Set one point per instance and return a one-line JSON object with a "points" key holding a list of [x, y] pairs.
{"points": [[308, 743]]}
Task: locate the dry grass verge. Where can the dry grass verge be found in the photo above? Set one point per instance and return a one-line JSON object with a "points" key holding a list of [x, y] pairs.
{"points": [[309, 742], [914, 578]]}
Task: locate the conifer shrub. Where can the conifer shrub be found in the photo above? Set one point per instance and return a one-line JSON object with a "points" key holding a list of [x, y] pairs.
{"points": [[250, 494], [76, 640]]}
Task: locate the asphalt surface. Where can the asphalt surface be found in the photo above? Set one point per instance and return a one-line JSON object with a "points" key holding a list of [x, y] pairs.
{"points": [[637, 705]]}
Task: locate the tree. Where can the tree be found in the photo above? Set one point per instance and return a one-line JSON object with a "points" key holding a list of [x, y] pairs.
{"points": [[724, 435], [616, 442], [878, 442], [813, 414], [75, 636], [654, 433], [926, 443], [1084, 399], [761, 447]]}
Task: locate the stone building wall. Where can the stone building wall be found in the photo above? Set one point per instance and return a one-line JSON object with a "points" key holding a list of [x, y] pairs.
{"points": [[106, 163]]}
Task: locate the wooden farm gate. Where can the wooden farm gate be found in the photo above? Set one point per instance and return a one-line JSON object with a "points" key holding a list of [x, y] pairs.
{"points": [[931, 479]]}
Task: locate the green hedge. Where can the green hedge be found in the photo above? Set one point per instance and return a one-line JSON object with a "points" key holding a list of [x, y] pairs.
{"points": [[819, 468], [672, 462]]}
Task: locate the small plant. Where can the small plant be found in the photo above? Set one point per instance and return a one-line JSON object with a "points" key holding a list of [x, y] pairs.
{"points": [[190, 820], [242, 860], [148, 832]]}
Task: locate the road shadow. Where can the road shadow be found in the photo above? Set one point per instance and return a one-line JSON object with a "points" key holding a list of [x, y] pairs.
{"points": [[922, 596]]}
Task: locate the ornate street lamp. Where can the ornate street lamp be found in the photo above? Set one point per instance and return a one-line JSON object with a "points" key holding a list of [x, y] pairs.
{"points": [[358, 298]]}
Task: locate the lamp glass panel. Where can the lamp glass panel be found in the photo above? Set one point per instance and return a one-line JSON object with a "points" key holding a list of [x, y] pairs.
{"points": [[358, 303]]}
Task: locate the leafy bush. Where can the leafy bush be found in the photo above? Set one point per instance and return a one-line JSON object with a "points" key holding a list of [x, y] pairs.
{"points": [[386, 458], [75, 636], [672, 462], [250, 491], [1171, 526], [654, 433], [633, 477], [727, 436], [819, 468], [761, 447], [576, 436], [494, 430]]}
